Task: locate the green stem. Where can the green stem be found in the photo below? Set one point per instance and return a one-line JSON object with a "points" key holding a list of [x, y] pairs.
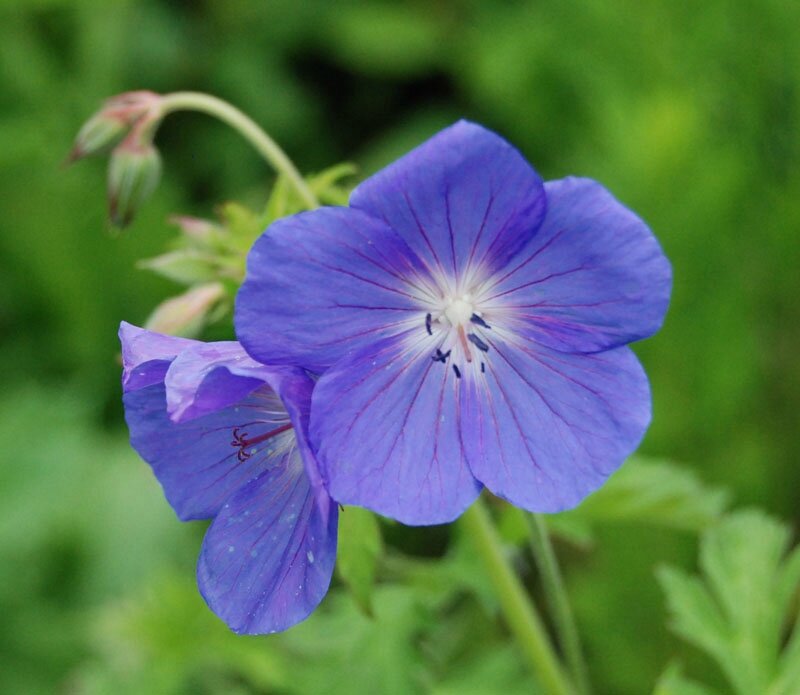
{"points": [[519, 612], [556, 596], [248, 128]]}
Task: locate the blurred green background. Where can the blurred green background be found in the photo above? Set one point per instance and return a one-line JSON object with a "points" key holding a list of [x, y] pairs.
{"points": [[688, 111]]}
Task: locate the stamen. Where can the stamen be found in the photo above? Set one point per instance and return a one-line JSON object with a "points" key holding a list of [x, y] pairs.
{"points": [[477, 342], [477, 319], [457, 371], [483, 368], [462, 336], [428, 324], [440, 356]]}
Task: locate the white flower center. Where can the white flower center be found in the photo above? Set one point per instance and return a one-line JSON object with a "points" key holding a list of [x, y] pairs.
{"points": [[459, 310]]}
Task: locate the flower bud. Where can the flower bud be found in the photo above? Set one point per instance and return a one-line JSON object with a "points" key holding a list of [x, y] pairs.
{"points": [[195, 228], [133, 174], [99, 134], [109, 125], [187, 314]]}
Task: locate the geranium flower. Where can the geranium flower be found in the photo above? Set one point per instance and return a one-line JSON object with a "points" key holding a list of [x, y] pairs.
{"points": [[469, 323], [227, 439]]}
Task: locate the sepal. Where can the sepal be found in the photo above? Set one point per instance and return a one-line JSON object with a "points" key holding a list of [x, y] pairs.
{"points": [[134, 171]]}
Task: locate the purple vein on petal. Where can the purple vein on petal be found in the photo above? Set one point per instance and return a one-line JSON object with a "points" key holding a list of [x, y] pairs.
{"points": [[529, 259], [450, 229], [539, 281], [356, 276], [422, 231], [476, 242], [394, 272]]}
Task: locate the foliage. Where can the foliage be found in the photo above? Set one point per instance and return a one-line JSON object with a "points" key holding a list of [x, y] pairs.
{"points": [[646, 492], [209, 257], [741, 606], [360, 546]]}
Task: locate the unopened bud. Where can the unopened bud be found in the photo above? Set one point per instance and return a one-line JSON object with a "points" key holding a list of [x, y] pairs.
{"points": [[99, 134], [110, 124], [133, 174], [187, 314], [195, 228]]}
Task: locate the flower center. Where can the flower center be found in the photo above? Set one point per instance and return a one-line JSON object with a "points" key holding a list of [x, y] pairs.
{"points": [[461, 334], [459, 310]]}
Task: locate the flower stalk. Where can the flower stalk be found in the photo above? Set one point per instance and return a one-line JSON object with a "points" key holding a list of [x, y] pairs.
{"points": [[556, 595], [245, 126], [126, 126], [519, 612]]}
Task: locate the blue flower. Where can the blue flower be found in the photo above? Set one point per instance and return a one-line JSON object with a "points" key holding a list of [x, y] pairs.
{"points": [[469, 323], [227, 439]]}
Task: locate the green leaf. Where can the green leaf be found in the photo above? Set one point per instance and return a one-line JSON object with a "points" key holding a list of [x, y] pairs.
{"points": [[327, 184], [243, 224], [673, 682], [696, 617], [340, 650], [788, 680], [282, 201], [642, 491], [360, 546], [184, 266], [736, 610], [163, 638], [488, 671], [60, 555]]}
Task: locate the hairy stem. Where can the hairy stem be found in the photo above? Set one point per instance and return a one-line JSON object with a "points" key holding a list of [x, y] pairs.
{"points": [[248, 128], [519, 612]]}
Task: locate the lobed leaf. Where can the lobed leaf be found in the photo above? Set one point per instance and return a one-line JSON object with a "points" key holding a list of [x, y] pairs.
{"points": [[644, 491], [673, 682], [736, 610]]}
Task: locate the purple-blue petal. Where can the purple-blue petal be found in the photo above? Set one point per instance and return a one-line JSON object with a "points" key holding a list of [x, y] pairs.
{"points": [[207, 377], [267, 559], [385, 425], [146, 355], [593, 278], [543, 429], [465, 200], [322, 282], [212, 393], [196, 461]]}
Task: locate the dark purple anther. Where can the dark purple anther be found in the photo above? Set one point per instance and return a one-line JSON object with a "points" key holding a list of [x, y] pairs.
{"points": [[483, 368], [477, 319], [440, 356], [428, 324], [457, 371], [477, 342]]}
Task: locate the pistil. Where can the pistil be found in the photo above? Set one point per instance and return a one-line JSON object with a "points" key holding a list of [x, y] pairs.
{"points": [[462, 336], [242, 443]]}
